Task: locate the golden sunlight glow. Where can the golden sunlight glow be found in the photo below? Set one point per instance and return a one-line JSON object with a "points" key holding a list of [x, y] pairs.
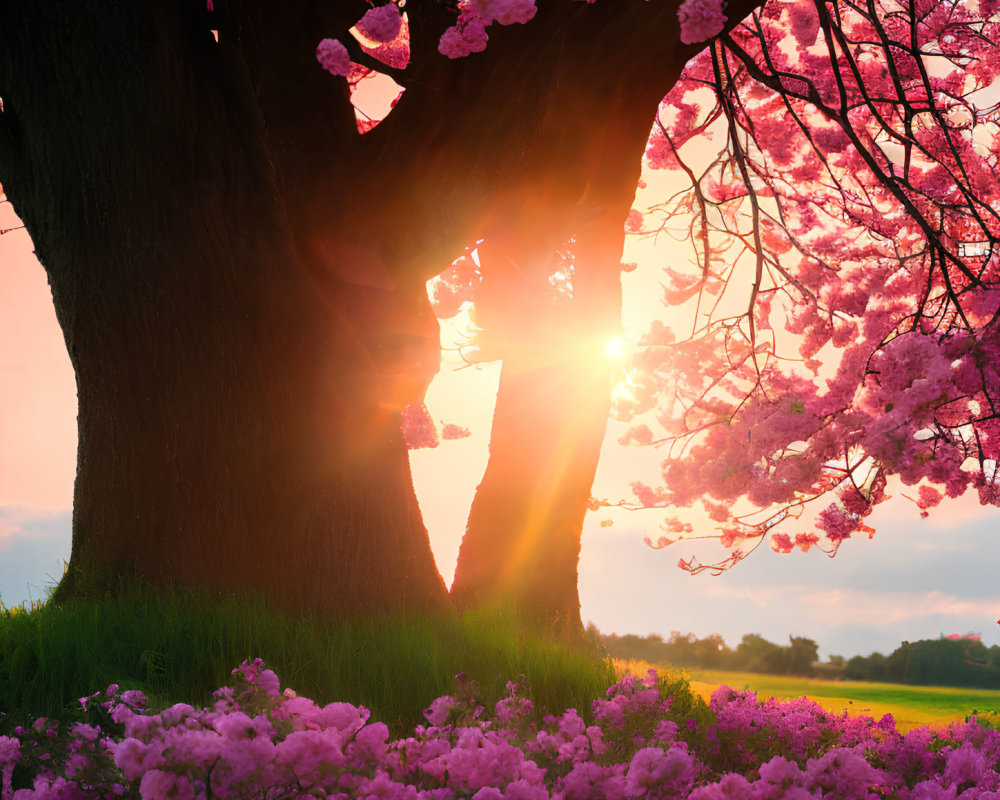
{"points": [[615, 348], [622, 393]]}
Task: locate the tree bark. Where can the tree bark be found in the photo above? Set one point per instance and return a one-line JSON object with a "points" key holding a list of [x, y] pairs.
{"points": [[523, 539], [238, 417], [522, 543]]}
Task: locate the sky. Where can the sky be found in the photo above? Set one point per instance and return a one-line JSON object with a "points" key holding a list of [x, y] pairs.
{"points": [[916, 579]]}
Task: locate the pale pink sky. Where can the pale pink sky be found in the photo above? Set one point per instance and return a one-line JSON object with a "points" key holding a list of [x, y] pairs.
{"points": [[37, 390]]}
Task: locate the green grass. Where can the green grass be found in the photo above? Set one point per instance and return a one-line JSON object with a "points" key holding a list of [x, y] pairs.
{"points": [[910, 706], [180, 646]]}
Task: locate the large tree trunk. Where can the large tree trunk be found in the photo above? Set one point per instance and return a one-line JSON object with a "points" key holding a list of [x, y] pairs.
{"points": [[238, 425], [522, 543], [523, 540]]}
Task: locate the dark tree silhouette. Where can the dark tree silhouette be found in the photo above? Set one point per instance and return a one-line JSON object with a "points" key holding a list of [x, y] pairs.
{"points": [[239, 275]]}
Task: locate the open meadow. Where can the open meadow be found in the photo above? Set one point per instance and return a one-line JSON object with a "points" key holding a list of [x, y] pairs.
{"points": [[910, 706]]}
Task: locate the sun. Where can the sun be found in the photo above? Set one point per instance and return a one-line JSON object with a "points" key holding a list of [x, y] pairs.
{"points": [[615, 348]]}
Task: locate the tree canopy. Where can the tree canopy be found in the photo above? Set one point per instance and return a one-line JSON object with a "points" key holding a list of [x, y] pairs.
{"points": [[842, 284]]}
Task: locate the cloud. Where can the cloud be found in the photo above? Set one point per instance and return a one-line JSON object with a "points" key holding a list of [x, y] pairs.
{"points": [[846, 606], [763, 597], [871, 597], [34, 545], [951, 515], [26, 522], [856, 607]]}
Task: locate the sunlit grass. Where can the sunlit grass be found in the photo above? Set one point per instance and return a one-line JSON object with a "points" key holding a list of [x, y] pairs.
{"points": [[180, 646], [910, 706]]}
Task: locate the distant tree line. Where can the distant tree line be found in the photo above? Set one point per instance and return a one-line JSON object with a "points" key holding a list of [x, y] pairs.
{"points": [[934, 662], [949, 661], [753, 654]]}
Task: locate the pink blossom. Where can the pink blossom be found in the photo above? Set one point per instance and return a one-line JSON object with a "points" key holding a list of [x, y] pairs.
{"points": [[676, 525], [647, 496], [843, 773], [658, 774], [660, 153], [382, 23], [344, 717], [418, 428], [160, 785], [10, 749], [86, 732], [333, 57], [700, 20], [439, 710], [837, 524], [988, 490], [134, 698], [804, 23], [928, 497], [505, 12], [452, 431], [780, 770], [236, 726], [965, 765], [637, 434], [466, 36], [10, 752], [731, 786], [310, 753], [854, 502], [589, 780], [268, 681]]}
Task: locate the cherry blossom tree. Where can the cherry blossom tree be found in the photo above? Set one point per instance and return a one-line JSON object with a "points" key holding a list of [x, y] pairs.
{"points": [[238, 263], [843, 279]]}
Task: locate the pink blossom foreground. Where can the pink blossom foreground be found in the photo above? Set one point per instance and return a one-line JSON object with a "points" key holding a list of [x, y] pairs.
{"points": [[257, 741]]}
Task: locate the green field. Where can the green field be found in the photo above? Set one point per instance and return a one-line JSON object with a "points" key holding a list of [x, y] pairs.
{"points": [[910, 706]]}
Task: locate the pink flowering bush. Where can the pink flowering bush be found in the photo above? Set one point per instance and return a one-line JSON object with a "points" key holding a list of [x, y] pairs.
{"points": [[647, 739]]}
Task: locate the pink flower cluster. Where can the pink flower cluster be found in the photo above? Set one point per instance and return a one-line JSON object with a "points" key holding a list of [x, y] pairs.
{"points": [[877, 263], [644, 742], [418, 428], [700, 20], [333, 57], [382, 23], [468, 34]]}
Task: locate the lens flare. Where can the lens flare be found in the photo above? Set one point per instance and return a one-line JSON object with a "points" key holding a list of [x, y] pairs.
{"points": [[615, 348]]}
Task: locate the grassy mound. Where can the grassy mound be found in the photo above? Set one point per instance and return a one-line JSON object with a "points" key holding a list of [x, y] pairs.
{"points": [[179, 646]]}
